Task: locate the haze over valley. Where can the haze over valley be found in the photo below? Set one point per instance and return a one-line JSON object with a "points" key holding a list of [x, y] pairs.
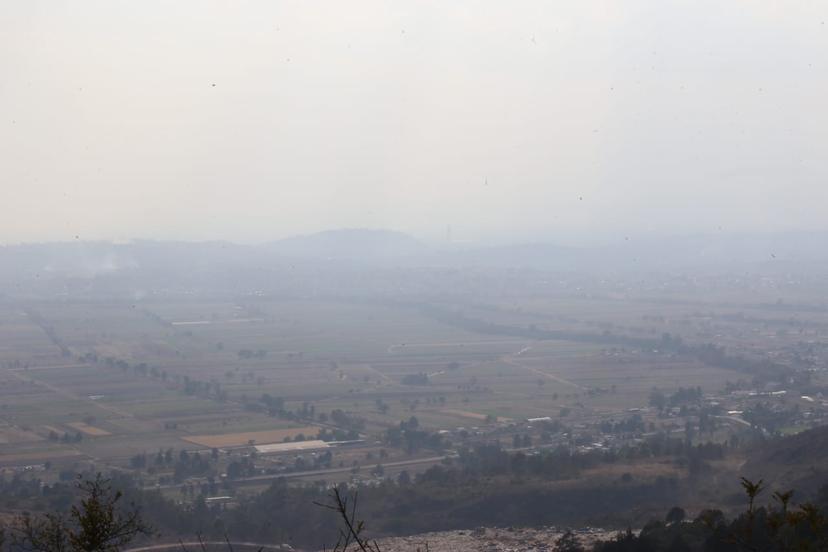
{"points": [[400, 276]]}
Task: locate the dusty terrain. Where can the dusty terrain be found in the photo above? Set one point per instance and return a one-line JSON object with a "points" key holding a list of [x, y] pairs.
{"points": [[488, 540]]}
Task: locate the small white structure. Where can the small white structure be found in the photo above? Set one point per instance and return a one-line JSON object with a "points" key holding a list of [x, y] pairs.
{"points": [[292, 446]]}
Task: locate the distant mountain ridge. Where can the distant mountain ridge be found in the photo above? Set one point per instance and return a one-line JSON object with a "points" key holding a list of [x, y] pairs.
{"points": [[773, 252], [350, 243]]}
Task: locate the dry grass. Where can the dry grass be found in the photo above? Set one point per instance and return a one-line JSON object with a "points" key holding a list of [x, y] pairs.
{"points": [[50, 429], [39, 456], [87, 429], [10, 435], [257, 437], [645, 469], [471, 415]]}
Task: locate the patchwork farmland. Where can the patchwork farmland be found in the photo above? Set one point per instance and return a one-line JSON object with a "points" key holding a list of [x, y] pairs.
{"points": [[130, 385]]}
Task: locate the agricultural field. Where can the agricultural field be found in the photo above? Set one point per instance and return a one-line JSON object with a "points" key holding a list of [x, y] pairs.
{"points": [[250, 437], [99, 383]]}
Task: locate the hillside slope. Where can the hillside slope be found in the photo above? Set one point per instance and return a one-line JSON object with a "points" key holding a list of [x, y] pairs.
{"points": [[799, 462]]}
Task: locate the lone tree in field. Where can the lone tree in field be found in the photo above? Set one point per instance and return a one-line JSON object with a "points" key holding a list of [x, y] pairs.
{"points": [[96, 524]]}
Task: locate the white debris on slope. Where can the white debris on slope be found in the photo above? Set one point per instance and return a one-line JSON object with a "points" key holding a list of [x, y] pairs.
{"points": [[489, 540]]}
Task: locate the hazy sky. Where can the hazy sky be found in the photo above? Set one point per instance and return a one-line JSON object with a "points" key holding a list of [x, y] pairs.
{"points": [[566, 120]]}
